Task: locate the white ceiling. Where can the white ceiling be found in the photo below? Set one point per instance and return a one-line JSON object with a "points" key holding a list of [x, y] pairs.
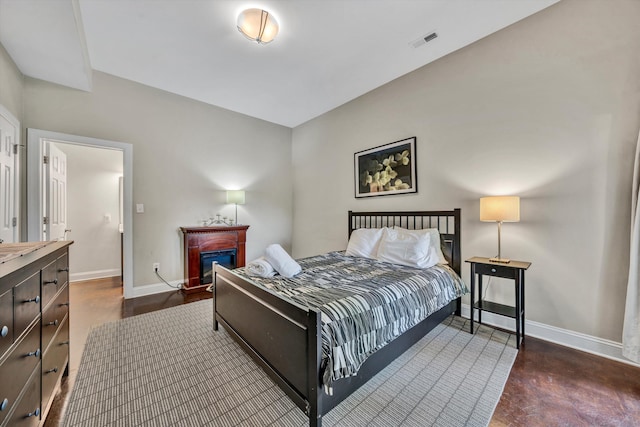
{"points": [[328, 52]]}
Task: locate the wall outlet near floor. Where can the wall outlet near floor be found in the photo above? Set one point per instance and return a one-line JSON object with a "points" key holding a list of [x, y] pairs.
{"points": [[156, 266]]}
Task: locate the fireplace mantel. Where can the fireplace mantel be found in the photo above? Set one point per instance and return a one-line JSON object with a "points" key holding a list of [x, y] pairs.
{"points": [[205, 239]]}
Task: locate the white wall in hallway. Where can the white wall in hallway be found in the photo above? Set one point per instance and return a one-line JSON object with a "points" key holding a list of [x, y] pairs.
{"points": [[93, 210]]}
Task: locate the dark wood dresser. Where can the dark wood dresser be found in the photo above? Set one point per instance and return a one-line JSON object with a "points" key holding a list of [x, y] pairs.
{"points": [[34, 329], [212, 239]]}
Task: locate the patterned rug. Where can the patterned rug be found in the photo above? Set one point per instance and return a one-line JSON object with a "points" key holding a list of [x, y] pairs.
{"points": [[168, 368]]}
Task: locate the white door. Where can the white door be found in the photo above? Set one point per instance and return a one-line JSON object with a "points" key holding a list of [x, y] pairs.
{"points": [[8, 168], [56, 199]]}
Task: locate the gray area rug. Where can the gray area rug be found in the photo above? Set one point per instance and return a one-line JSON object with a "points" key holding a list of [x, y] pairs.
{"points": [[168, 368]]}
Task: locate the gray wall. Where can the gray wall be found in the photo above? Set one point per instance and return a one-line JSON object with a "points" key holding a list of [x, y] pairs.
{"points": [[547, 109], [11, 84], [185, 154]]}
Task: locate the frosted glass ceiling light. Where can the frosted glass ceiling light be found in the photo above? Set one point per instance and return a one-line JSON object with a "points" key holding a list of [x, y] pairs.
{"points": [[258, 25]]}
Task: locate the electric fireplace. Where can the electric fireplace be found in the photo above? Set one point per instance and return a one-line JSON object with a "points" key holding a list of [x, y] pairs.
{"points": [[204, 245], [226, 258]]}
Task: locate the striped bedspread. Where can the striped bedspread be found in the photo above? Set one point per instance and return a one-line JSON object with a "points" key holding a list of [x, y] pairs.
{"points": [[365, 304]]}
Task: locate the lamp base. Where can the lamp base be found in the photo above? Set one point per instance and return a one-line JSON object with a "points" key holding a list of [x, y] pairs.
{"points": [[500, 260]]}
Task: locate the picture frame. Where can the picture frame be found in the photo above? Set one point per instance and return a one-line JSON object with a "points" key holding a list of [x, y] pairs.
{"points": [[386, 170]]}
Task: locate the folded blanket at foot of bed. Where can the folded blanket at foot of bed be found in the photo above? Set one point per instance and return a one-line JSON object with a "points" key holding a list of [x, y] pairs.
{"points": [[281, 261], [260, 268]]}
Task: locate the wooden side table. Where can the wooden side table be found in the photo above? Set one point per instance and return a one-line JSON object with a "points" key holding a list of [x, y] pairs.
{"points": [[512, 270]]}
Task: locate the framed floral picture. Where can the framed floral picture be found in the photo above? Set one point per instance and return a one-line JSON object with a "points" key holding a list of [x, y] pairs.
{"points": [[387, 169]]}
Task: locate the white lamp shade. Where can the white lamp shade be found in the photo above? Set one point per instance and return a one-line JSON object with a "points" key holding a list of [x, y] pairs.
{"points": [[235, 197], [500, 208], [258, 25]]}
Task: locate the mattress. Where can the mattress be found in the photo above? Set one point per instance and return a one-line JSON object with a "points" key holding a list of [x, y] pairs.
{"points": [[365, 304]]}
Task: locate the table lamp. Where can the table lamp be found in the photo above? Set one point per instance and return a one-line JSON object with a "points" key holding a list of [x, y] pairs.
{"points": [[500, 209], [236, 197]]}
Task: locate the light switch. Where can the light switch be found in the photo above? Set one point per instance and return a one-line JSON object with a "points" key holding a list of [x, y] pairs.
{"points": [[139, 208]]}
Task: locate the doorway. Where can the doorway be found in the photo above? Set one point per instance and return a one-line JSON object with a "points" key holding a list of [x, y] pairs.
{"points": [[40, 192]]}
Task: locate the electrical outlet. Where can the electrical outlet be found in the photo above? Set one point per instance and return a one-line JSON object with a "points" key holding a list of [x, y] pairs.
{"points": [[156, 266]]}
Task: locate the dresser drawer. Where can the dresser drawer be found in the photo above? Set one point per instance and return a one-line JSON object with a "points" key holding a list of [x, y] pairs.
{"points": [[17, 367], [496, 270], [53, 316], [63, 269], [6, 321], [26, 303], [28, 409], [54, 362], [49, 282]]}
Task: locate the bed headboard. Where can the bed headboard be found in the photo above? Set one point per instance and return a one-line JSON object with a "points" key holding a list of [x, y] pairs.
{"points": [[447, 222]]}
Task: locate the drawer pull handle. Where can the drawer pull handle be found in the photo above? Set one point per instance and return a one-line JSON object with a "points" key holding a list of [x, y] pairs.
{"points": [[64, 343], [34, 353], [51, 370], [35, 413], [48, 282], [4, 404], [493, 270], [64, 270], [34, 300], [54, 323], [65, 304], [5, 331]]}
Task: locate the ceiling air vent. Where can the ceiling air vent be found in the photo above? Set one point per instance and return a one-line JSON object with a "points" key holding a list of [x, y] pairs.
{"points": [[423, 40]]}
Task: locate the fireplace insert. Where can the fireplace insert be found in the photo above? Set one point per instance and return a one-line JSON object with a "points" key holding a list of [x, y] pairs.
{"points": [[226, 258]]}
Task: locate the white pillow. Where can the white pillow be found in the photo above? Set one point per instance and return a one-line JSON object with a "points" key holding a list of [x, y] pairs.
{"points": [[410, 249], [364, 242], [434, 242]]}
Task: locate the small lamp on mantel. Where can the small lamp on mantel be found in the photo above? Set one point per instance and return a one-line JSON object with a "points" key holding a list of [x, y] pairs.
{"points": [[500, 209], [237, 198]]}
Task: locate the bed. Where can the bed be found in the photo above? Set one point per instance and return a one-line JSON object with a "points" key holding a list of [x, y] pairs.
{"points": [[285, 337]]}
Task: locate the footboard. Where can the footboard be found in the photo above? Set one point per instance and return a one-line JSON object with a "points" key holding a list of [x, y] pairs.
{"points": [[282, 336]]}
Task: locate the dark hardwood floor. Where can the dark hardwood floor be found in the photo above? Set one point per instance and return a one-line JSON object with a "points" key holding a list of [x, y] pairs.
{"points": [[552, 385], [549, 385]]}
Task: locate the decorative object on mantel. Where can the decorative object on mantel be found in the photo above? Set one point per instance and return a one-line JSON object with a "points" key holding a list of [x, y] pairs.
{"points": [[237, 198], [500, 209], [258, 25], [387, 169], [218, 221]]}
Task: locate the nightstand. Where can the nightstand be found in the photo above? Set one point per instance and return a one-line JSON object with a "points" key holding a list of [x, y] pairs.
{"points": [[513, 270]]}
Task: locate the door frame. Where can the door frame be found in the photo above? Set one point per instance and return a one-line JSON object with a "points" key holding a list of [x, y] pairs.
{"points": [[17, 230], [35, 210]]}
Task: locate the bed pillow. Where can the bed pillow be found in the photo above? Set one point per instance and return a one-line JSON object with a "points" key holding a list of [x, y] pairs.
{"points": [[364, 242], [435, 244], [410, 249]]}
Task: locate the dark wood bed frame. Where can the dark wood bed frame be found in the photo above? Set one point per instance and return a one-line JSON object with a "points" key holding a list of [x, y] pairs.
{"points": [[284, 338]]}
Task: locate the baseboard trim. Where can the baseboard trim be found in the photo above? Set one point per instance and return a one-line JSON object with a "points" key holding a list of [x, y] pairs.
{"points": [[97, 274], [154, 288], [576, 340]]}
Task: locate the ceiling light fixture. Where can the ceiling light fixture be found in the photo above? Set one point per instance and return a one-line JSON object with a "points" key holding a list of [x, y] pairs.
{"points": [[258, 25]]}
